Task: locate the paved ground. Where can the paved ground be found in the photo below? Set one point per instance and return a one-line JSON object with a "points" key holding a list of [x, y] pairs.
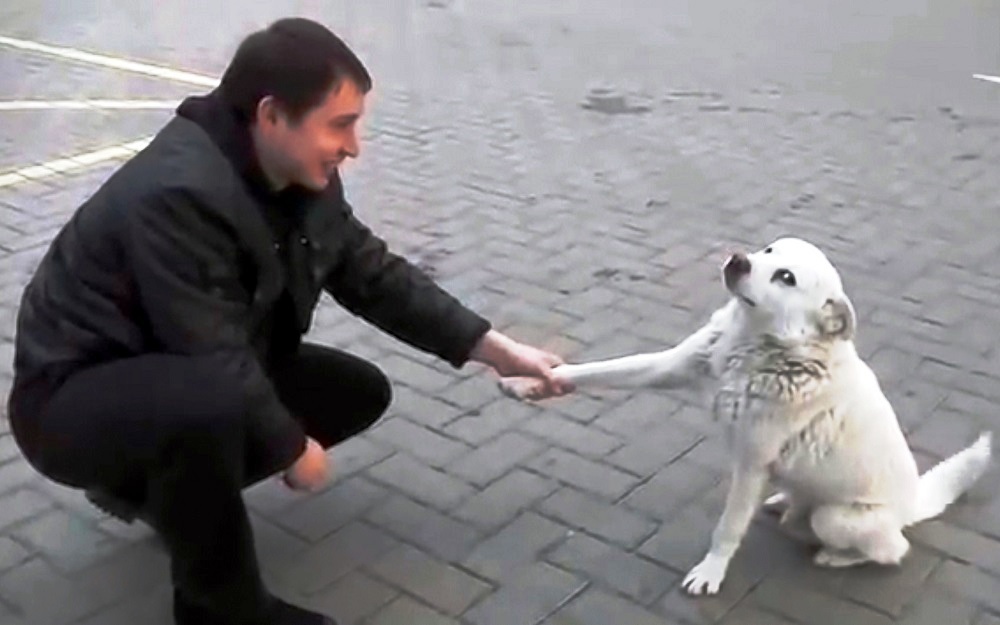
{"points": [[596, 230]]}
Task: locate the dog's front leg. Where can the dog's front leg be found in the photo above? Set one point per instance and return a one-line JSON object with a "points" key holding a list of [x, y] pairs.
{"points": [[669, 368], [745, 493]]}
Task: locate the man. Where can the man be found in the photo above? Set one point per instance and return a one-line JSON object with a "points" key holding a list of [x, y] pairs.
{"points": [[159, 362]]}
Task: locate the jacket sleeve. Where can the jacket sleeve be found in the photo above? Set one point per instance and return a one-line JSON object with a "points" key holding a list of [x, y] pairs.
{"points": [[186, 273], [397, 297]]}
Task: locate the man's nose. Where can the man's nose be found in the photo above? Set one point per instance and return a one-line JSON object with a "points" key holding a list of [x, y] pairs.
{"points": [[352, 147]]}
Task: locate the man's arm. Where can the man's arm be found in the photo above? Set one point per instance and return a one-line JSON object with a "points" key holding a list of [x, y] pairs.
{"points": [[186, 274], [399, 298]]}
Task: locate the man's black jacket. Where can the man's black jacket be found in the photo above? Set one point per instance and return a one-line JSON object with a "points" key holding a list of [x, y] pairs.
{"points": [[184, 250]]}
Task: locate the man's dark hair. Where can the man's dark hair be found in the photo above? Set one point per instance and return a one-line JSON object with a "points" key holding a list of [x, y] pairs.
{"points": [[295, 60]]}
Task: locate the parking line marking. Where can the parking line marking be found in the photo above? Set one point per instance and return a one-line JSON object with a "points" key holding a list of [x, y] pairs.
{"points": [[987, 77], [82, 105], [76, 162], [105, 60]]}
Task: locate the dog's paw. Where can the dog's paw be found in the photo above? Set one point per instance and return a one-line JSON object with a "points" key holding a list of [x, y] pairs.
{"points": [[833, 559], [706, 577], [777, 503], [521, 388]]}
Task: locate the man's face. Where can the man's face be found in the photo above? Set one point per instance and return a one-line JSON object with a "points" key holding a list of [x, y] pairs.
{"points": [[309, 151]]}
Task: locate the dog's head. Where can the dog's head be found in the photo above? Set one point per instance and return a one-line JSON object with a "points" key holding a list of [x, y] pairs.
{"points": [[791, 289]]}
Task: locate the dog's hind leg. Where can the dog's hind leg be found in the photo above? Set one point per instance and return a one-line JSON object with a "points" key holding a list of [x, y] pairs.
{"points": [[855, 534]]}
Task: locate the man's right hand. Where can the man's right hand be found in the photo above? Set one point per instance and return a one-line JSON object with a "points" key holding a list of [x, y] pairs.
{"points": [[310, 471]]}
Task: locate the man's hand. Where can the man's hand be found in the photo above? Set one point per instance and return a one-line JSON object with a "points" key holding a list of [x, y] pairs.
{"points": [[513, 359], [310, 471]]}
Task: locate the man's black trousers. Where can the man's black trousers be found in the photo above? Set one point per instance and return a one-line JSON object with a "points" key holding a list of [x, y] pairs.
{"points": [[168, 432]]}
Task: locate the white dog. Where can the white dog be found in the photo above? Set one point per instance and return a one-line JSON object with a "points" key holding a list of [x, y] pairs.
{"points": [[804, 410]]}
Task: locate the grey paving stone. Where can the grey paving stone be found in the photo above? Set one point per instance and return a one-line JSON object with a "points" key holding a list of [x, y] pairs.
{"points": [[20, 505], [957, 542], [670, 490], [495, 458], [421, 482], [133, 570], [152, 607], [277, 548], [594, 607], [68, 542], [417, 524], [406, 611], [417, 375], [503, 555], [890, 589], [585, 474], [336, 556], [534, 593], [8, 448], [656, 449], [987, 618], [570, 435], [967, 582], [16, 474], [418, 442], [353, 598], [496, 418], [597, 517], [639, 414], [808, 606], [745, 614], [934, 607], [444, 587], [618, 570], [421, 408], [330, 510], [40, 595], [504, 499], [12, 553]]}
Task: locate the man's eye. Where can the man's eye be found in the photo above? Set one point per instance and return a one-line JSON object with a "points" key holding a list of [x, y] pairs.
{"points": [[784, 276]]}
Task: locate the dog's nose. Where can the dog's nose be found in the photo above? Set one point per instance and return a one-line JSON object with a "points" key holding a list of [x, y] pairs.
{"points": [[738, 264], [736, 267]]}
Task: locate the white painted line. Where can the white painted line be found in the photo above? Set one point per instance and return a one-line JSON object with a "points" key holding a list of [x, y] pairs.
{"points": [[140, 144], [987, 77], [99, 156], [10, 179], [78, 105], [36, 171], [79, 161], [105, 60]]}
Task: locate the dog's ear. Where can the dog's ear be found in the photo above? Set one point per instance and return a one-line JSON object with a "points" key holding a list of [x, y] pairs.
{"points": [[837, 318]]}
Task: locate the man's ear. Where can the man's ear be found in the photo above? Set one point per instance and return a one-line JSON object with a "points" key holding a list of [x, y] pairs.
{"points": [[268, 111], [837, 318]]}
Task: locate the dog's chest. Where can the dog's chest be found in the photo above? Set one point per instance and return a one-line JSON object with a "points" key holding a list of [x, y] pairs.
{"points": [[810, 445], [771, 398]]}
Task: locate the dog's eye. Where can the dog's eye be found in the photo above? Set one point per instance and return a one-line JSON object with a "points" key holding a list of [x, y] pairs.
{"points": [[786, 277], [768, 250]]}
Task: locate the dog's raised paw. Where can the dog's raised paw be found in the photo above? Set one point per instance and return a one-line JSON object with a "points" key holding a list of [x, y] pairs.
{"points": [[522, 388]]}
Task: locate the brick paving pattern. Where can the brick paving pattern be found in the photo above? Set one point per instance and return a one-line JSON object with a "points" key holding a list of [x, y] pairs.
{"points": [[593, 223]]}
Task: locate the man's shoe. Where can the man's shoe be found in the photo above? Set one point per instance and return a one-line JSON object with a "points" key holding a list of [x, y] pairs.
{"points": [[281, 613], [285, 613]]}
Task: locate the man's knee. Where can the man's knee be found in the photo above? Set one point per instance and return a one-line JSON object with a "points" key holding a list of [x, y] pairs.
{"points": [[379, 389]]}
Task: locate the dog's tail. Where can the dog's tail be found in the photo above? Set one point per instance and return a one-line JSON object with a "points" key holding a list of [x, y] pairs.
{"points": [[947, 480]]}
